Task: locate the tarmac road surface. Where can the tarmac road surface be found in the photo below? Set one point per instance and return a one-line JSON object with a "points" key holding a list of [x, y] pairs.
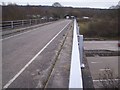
{"points": [[27, 56]]}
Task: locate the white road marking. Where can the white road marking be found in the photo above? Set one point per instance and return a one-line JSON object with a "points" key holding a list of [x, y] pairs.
{"points": [[104, 69], [18, 34], [12, 80], [96, 62], [104, 80]]}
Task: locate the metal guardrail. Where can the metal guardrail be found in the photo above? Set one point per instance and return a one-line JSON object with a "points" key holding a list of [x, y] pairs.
{"points": [[21, 23], [75, 80]]}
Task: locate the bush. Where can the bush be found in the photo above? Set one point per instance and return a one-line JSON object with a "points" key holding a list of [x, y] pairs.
{"points": [[100, 28]]}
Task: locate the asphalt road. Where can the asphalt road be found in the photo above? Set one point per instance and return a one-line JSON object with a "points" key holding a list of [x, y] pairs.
{"points": [[101, 45], [100, 64], [27, 56]]}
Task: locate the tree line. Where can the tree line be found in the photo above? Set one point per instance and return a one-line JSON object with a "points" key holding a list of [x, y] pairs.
{"points": [[16, 12]]}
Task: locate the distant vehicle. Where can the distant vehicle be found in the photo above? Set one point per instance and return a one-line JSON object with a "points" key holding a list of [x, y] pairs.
{"points": [[67, 17]]}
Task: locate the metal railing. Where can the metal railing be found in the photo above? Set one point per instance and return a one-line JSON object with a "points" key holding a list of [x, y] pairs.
{"points": [[75, 80], [23, 23]]}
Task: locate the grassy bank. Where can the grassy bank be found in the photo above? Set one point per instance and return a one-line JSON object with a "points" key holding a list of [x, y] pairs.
{"points": [[99, 28]]}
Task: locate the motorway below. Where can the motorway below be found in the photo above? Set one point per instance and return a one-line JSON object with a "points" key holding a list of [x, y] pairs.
{"points": [[102, 61], [27, 57]]}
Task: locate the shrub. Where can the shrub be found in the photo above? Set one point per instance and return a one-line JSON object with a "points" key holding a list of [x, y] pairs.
{"points": [[99, 28]]}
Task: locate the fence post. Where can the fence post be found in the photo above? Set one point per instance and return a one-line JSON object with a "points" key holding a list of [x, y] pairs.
{"points": [[35, 21], [30, 22], [12, 24], [39, 20], [22, 22]]}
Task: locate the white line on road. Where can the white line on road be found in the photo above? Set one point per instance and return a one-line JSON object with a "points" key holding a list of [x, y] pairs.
{"points": [[96, 62], [104, 80], [12, 80], [104, 69], [19, 34]]}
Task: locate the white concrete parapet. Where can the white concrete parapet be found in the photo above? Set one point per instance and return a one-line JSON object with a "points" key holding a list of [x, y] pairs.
{"points": [[75, 80]]}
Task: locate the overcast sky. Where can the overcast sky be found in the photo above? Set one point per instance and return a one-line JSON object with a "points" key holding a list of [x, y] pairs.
{"points": [[72, 3]]}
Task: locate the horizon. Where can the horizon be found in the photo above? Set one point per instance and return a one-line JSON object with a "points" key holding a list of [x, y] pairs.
{"points": [[58, 7], [75, 4]]}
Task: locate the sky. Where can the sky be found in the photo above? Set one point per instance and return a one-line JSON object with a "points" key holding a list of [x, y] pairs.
{"points": [[71, 3]]}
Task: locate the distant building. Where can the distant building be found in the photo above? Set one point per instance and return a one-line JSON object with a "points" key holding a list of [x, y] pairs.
{"points": [[57, 4], [72, 17]]}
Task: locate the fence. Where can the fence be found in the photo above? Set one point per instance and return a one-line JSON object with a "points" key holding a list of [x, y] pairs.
{"points": [[22, 23], [76, 59]]}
